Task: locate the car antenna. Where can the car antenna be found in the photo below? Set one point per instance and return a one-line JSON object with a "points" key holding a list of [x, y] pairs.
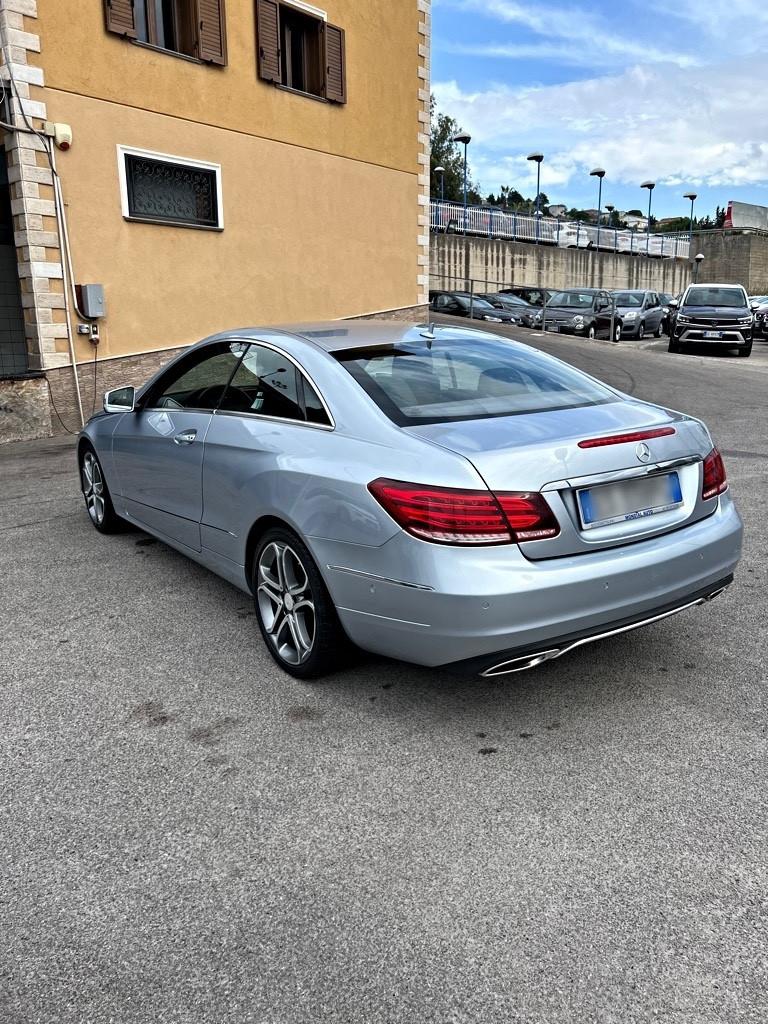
{"points": [[429, 334]]}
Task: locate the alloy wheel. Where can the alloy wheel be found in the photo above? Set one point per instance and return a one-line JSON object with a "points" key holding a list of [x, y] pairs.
{"points": [[93, 488], [286, 603]]}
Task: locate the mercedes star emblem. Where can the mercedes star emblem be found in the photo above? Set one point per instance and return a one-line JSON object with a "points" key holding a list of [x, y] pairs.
{"points": [[643, 452]]}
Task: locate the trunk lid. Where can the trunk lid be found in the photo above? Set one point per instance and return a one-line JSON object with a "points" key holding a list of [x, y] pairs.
{"points": [[540, 452]]}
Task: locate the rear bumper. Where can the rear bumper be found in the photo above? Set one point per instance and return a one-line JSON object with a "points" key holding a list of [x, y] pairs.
{"points": [[435, 605]]}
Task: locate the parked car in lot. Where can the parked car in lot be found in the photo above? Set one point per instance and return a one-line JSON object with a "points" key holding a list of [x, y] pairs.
{"points": [[641, 312], [472, 306], [585, 311], [665, 298], [760, 327], [712, 314], [531, 294], [513, 304], [434, 494]]}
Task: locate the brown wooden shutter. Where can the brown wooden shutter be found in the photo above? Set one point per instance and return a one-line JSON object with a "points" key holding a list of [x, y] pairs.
{"points": [[211, 31], [120, 17], [335, 65], [268, 40]]}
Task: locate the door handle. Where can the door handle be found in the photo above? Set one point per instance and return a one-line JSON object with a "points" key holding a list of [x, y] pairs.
{"points": [[185, 437]]}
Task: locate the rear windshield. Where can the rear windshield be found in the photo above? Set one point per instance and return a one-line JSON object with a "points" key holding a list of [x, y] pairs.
{"points": [[704, 296], [467, 379]]}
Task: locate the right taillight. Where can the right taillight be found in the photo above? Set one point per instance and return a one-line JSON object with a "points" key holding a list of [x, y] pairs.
{"points": [[715, 481], [460, 516]]}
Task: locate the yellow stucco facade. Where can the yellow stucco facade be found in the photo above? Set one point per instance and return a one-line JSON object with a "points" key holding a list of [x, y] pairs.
{"points": [[322, 215]]}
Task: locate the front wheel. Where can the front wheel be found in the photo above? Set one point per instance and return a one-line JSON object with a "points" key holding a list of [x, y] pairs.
{"points": [[96, 494], [658, 332], [295, 613], [591, 332], [746, 350], [641, 332]]}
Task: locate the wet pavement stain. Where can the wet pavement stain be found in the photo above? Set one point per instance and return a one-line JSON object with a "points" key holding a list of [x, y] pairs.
{"points": [[211, 735], [145, 542], [488, 750], [152, 714]]}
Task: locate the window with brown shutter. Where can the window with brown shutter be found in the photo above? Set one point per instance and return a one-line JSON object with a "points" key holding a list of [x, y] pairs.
{"points": [[298, 50], [194, 28]]}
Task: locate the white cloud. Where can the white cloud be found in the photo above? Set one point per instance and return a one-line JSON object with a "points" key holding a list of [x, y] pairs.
{"points": [[698, 126]]}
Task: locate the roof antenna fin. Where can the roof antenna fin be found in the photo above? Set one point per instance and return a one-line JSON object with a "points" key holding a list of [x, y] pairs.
{"points": [[429, 334]]}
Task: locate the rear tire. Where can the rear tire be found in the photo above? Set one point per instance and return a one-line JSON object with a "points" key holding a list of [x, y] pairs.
{"points": [[296, 616], [98, 501], [640, 332], [616, 333]]}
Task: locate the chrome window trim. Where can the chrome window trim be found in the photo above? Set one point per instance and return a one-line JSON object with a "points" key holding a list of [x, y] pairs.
{"points": [[272, 419]]}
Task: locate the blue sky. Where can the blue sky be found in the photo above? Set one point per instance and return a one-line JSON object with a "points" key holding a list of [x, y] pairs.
{"points": [[668, 90]]}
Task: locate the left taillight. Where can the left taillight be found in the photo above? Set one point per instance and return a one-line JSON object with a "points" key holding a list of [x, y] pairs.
{"points": [[461, 516], [714, 478]]}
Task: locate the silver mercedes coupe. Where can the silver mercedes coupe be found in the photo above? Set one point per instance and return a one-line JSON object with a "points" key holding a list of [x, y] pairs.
{"points": [[435, 494]]}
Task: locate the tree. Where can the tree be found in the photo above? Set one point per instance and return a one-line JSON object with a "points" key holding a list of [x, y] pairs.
{"points": [[719, 217], [448, 154]]}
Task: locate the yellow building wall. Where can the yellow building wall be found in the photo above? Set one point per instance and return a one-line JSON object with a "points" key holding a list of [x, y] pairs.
{"points": [[307, 235], [377, 124], [320, 201]]}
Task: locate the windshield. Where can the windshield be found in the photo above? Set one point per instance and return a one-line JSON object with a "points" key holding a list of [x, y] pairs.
{"points": [[628, 298], [467, 379], [477, 302], [574, 300], [701, 295]]}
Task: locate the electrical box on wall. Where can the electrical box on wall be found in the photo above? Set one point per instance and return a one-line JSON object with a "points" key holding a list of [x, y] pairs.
{"points": [[90, 299]]}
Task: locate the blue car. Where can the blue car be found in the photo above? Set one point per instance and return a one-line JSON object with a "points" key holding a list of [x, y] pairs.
{"points": [[439, 495]]}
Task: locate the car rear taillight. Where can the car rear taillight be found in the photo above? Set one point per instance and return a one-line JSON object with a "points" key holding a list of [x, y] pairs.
{"points": [[715, 481], [458, 516], [636, 435]]}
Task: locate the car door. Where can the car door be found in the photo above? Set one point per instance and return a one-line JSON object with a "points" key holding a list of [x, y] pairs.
{"points": [[602, 308], [269, 427], [158, 448], [654, 313]]}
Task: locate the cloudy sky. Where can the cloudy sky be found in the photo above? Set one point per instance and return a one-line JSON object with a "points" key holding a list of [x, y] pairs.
{"points": [[668, 90]]}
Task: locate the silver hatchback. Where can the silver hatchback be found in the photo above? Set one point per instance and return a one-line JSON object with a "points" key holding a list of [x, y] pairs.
{"points": [[435, 494]]}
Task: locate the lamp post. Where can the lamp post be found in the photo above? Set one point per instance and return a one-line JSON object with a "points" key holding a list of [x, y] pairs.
{"points": [[609, 208], [441, 172], [698, 259], [537, 159], [600, 174], [465, 140], [650, 185], [693, 197]]}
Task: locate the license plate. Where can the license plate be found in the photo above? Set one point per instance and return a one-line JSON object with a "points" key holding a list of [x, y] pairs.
{"points": [[627, 500], [713, 334]]}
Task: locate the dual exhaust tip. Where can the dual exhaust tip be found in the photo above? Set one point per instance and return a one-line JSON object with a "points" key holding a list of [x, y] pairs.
{"points": [[526, 661]]}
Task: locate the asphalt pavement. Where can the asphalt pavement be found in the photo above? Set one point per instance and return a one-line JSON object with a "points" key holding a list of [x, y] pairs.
{"points": [[189, 835]]}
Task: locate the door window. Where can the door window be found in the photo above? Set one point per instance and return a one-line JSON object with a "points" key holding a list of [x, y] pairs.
{"points": [[266, 383], [199, 381]]}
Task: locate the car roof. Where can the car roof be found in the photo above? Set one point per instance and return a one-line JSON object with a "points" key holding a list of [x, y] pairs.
{"points": [[337, 335], [715, 284]]}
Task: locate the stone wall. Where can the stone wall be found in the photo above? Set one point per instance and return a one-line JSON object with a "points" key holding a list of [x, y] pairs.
{"points": [[492, 263], [734, 259], [24, 408]]}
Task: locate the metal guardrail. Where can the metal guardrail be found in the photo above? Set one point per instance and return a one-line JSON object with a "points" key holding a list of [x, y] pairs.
{"points": [[519, 227]]}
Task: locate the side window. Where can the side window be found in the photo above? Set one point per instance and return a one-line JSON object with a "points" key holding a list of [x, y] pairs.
{"points": [[300, 50], [199, 381], [196, 28], [266, 383]]}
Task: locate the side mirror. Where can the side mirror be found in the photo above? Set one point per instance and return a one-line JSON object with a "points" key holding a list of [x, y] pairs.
{"points": [[120, 400], [754, 306], [673, 303]]}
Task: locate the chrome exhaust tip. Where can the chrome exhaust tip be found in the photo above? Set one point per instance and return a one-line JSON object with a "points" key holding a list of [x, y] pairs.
{"points": [[521, 664]]}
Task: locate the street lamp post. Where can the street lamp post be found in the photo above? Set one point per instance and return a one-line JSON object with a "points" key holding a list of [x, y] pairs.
{"points": [[600, 174], [465, 140], [441, 172], [693, 197], [537, 159], [698, 259], [650, 185], [609, 208]]}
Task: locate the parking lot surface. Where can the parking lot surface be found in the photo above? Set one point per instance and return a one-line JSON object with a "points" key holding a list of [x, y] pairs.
{"points": [[189, 835]]}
